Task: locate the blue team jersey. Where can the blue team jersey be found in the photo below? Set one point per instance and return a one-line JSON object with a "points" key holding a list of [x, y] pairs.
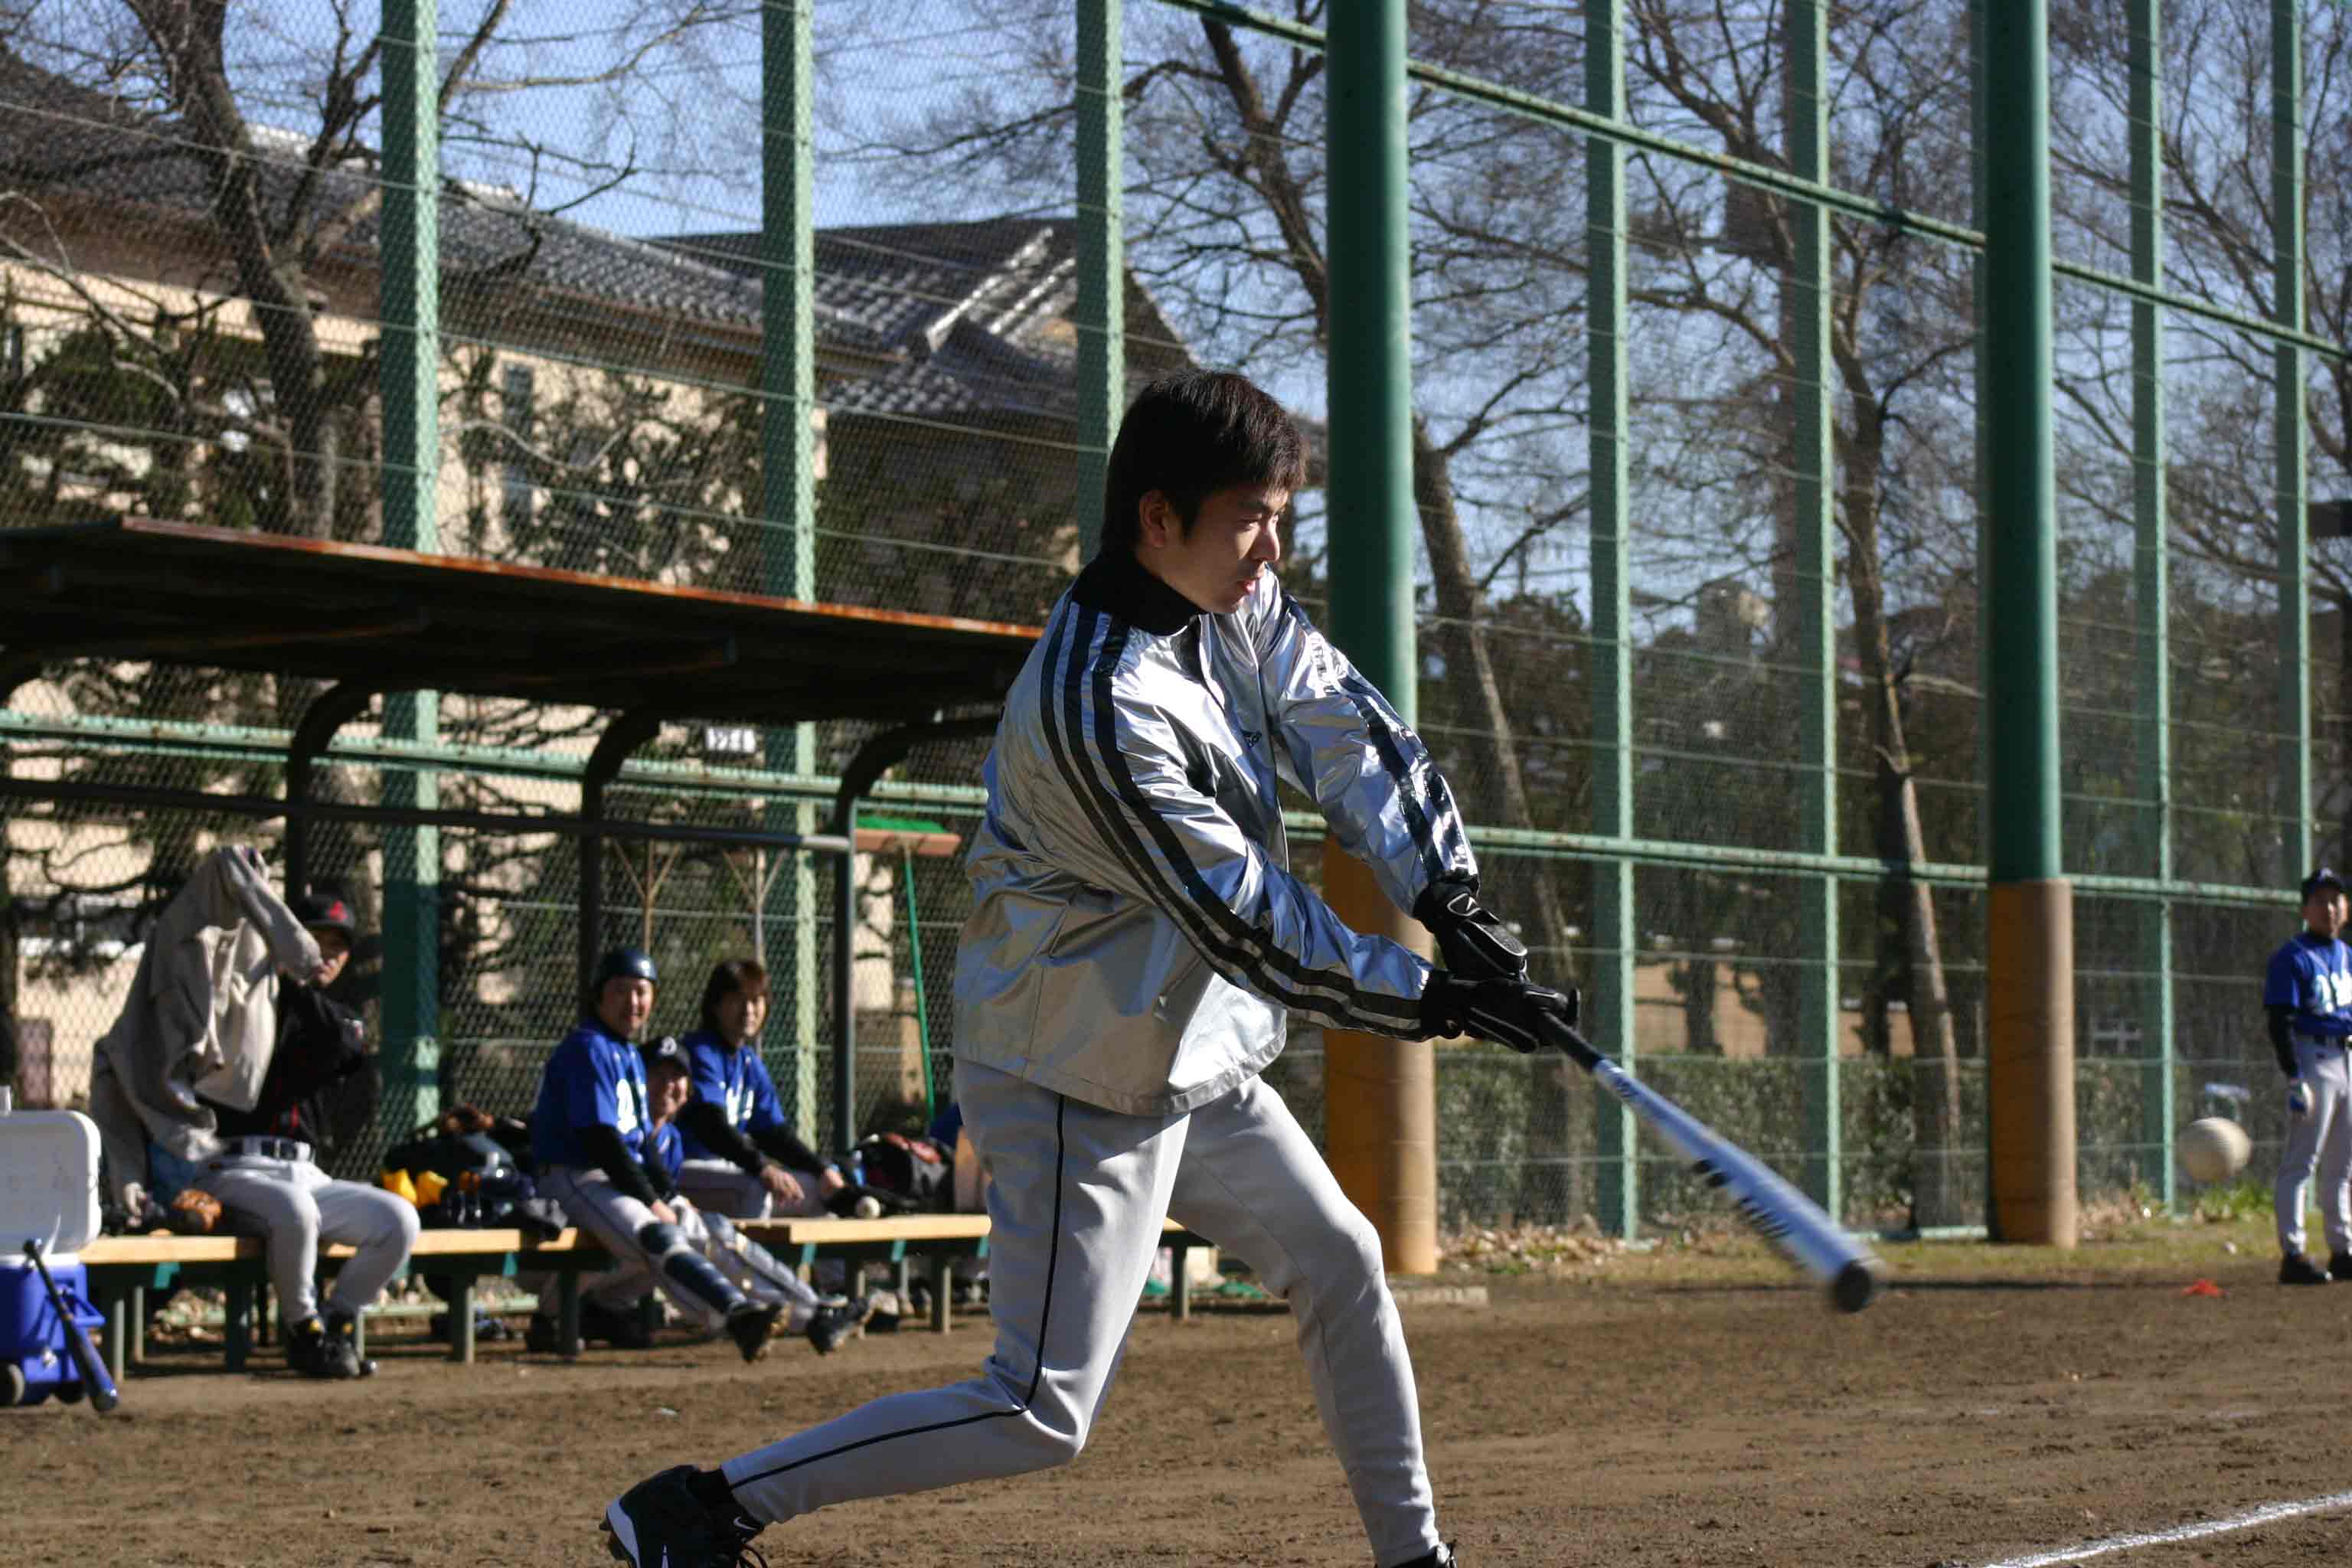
{"points": [[594, 1077], [2314, 976], [735, 1079], [667, 1152]]}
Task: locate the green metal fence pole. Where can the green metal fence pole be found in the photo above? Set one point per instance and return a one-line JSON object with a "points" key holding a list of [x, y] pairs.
{"points": [[1813, 623], [2152, 587], [1379, 1098], [410, 1014], [1102, 250], [788, 467], [1618, 1203], [2292, 434], [2029, 946]]}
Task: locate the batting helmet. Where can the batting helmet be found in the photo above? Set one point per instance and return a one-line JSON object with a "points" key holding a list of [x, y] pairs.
{"points": [[625, 964]]}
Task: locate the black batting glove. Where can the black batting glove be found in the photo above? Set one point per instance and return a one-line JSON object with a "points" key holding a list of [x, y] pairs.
{"points": [[1507, 1012], [1474, 943]]}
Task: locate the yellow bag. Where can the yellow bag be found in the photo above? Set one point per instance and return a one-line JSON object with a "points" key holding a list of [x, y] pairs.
{"points": [[397, 1182]]}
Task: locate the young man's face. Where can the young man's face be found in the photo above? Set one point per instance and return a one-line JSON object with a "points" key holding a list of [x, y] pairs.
{"points": [[666, 1094], [2325, 911], [624, 1005], [740, 1013], [1236, 535], [334, 952]]}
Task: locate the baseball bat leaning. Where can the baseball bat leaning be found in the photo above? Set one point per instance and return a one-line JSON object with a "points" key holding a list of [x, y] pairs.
{"points": [[1774, 1210], [94, 1381]]}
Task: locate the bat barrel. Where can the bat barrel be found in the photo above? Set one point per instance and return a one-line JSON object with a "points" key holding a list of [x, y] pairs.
{"points": [[1774, 1209]]}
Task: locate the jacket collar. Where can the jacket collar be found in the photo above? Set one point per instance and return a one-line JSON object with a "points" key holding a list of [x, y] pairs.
{"points": [[1116, 584]]}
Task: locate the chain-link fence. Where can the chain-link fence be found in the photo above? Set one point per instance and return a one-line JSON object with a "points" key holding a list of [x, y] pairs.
{"points": [[210, 250]]}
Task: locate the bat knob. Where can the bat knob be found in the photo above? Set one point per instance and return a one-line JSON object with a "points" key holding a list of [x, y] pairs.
{"points": [[1853, 1287]]}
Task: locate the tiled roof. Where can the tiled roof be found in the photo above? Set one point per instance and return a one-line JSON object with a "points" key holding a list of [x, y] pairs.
{"points": [[966, 318], [54, 134]]}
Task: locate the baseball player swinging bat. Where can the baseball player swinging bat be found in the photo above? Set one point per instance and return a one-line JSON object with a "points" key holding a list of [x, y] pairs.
{"points": [[1774, 1210], [94, 1381]]}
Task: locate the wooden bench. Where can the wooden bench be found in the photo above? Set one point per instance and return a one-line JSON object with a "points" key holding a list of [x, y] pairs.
{"points": [[122, 1268]]}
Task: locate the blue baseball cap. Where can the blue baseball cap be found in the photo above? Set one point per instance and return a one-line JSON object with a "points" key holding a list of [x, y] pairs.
{"points": [[2321, 877], [666, 1052]]}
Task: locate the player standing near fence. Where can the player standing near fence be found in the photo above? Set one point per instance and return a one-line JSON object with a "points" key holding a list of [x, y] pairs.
{"points": [[1136, 946], [2308, 994]]}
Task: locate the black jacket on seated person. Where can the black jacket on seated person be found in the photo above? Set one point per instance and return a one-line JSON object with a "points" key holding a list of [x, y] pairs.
{"points": [[321, 1047]]}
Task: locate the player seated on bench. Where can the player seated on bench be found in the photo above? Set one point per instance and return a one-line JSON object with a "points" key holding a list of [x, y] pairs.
{"points": [[266, 1173], [828, 1323], [741, 1157], [590, 1135]]}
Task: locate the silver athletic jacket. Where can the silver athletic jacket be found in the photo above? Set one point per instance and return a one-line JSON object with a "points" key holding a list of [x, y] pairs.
{"points": [[1137, 938]]}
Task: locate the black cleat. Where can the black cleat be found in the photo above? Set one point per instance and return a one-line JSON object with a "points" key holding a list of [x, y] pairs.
{"points": [[837, 1323], [539, 1335], [2295, 1268], [660, 1523], [343, 1334], [1441, 1558], [752, 1325], [2339, 1265], [313, 1350]]}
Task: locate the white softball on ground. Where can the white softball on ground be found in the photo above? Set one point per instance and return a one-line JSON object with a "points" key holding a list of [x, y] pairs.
{"points": [[2214, 1148], [871, 1209]]}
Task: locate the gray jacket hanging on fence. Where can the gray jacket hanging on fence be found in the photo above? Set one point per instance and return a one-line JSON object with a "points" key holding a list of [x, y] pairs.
{"points": [[201, 1018], [1137, 938]]}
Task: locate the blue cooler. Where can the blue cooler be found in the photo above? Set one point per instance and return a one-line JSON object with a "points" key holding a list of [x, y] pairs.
{"points": [[48, 1194]]}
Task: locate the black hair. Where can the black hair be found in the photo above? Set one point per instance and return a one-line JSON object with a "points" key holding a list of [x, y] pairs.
{"points": [[1191, 434], [735, 974]]}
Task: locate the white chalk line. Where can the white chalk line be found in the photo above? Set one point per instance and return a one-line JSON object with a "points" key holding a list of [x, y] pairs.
{"points": [[2268, 1513]]}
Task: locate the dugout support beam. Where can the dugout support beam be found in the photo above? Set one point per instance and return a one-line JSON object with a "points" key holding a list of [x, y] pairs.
{"points": [[1380, 1098], [2029, 946], [624, 735]]}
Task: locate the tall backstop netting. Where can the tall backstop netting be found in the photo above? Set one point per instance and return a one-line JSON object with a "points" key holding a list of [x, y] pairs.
{"points": [[838, 303]]}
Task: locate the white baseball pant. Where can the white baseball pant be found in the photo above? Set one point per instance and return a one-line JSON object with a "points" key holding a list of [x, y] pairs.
{"points": [[298, 1205], [1077, 1200], [2321, 1141]]}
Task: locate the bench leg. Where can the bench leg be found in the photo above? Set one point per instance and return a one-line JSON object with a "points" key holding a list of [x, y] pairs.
{"points": [[567, 1314], [942, 1291], [137, 1345], [902, 1278], [238, 1332], [461, 1319], [358, 1333], [1179, 1287]]}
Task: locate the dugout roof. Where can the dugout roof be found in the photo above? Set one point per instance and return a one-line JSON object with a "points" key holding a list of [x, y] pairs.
{"points": [[133, 588]]}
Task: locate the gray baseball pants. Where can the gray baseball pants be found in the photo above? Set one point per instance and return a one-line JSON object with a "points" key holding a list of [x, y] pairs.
{"points": [[749, 1267], [1076, 1205], [646, 1252], [298, 1205], [723, 1187], [2321, 1141]]}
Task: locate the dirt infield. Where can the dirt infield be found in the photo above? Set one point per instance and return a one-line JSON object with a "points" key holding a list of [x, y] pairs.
{"points": [[1637, 1418]]}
